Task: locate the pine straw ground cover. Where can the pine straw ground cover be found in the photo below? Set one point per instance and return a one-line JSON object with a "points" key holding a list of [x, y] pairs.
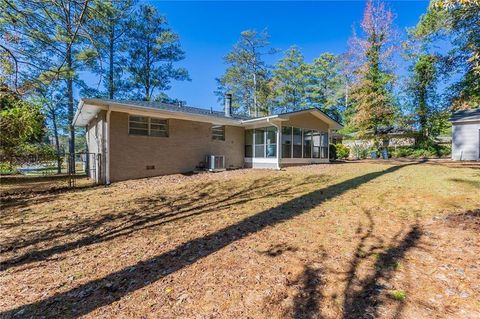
{"points": [[352, 240]]}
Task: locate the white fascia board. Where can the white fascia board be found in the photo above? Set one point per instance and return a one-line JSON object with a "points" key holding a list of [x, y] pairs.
{"points": [[263, 121], [85, 113]]}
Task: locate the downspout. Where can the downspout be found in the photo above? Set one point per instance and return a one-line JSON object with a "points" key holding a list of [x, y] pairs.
{"points": [[279, 137], [107, 148]]}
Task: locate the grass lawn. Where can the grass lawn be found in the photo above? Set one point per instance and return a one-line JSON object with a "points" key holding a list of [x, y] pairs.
{"points": [[353, 240]]}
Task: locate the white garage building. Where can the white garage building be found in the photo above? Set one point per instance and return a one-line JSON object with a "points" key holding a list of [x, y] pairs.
{"points": [[466, 135]]}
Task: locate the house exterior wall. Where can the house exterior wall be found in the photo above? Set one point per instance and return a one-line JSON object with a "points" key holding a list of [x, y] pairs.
{"points": [[187, 145], [307, 121], [95, 138], [465, 141]]}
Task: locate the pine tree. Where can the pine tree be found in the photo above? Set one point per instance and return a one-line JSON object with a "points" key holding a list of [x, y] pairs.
{"points": [[372, 94], [247, 76], [326, 85], [290, 81], [422, 90], [457, 21], [47, 42], [110, 21], [153, 50]]}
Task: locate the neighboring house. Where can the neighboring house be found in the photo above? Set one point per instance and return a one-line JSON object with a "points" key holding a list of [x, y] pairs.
{"points": [[140, 139], [466, 135]]}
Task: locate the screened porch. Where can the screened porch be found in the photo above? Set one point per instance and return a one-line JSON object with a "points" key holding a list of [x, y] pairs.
{"points": [[297, 146]]}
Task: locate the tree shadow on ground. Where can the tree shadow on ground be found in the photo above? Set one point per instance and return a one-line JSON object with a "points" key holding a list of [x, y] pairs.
{"points": [[362, 296], [468, 182], [87, 297], [306, 304], [149, 212]]}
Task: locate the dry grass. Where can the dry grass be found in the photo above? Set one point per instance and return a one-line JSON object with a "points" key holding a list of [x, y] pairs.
{"points": [[322, 241]]}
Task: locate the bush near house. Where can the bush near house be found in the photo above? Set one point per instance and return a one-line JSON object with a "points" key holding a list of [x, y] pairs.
{"points": [[342, 151], [421, 151], [339, 151]]}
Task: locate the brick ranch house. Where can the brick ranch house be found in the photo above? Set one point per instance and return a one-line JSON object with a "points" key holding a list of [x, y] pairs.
{"points": [[139, 139]]}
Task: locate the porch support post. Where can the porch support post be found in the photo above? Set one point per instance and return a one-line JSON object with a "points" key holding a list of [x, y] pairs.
{"points": [[279, 144], [328, 144], [279, 140]]}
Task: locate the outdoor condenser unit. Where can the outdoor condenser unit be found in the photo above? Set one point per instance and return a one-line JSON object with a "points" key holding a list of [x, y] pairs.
{"points": [[215, 162]]}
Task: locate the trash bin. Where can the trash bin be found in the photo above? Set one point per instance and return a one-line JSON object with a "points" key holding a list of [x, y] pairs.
{"points": [[385, 154], [373, 155]]}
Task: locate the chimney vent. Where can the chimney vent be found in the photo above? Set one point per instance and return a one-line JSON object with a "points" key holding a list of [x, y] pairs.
{"points": [[228, 105]]}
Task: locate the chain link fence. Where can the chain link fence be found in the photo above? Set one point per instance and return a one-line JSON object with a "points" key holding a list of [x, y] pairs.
{"points": [[33, 173]]}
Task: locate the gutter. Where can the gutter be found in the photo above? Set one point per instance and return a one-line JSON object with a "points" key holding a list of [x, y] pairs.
{"points": [[77, 114]]}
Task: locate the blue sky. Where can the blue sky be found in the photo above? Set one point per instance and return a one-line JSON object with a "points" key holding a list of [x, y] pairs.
{"points": [[209, 29]]}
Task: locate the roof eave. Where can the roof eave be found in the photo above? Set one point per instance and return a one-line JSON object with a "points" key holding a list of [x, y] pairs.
{"points": [[149, 111]]}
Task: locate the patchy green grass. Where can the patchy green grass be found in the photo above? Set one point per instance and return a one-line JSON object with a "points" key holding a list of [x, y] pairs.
{"points": [[314, 241], [398, 295]]}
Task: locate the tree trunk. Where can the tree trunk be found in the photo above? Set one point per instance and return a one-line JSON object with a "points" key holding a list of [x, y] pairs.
{"points": [[147, 73], [111, 88], [71, 144], [57, 144]]}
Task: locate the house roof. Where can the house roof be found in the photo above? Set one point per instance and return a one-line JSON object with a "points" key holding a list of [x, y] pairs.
{"points": [[84, 114], [465, 116]]}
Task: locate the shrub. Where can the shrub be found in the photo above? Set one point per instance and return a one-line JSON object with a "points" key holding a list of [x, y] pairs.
{"points": [[360, 151], [342, 151], [7, 168], [333, 151], [421, 151]]}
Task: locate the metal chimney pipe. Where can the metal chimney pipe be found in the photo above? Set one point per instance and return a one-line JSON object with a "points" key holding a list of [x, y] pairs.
{"points": [[228, 105]]}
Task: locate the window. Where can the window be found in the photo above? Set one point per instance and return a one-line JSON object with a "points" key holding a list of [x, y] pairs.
{"points": [[271, 137], [218, 132], [316, 144], [147, 126], [249, 143], [138, 125], [158, 127], [324, 149], [297, 142], [286, 142], [259, 135], [307, 143]]}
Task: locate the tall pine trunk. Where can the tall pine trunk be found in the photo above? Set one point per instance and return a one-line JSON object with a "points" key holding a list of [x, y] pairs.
{"points": [[111, 88], [71, 144]]}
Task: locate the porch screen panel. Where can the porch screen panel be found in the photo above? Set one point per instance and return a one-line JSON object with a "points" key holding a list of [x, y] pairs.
{"points": [[316, 144], [324, 148], [307, 143], [248, 143], [286, 142], [271, 139], [259, 135], [297, 142]]}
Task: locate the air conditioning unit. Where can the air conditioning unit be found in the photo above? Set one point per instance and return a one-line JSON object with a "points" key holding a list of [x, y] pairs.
{"points": [[215, 163]]}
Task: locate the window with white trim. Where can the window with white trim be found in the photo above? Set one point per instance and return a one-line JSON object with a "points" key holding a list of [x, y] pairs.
{"points": [[218, 132], [147, 126]]}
